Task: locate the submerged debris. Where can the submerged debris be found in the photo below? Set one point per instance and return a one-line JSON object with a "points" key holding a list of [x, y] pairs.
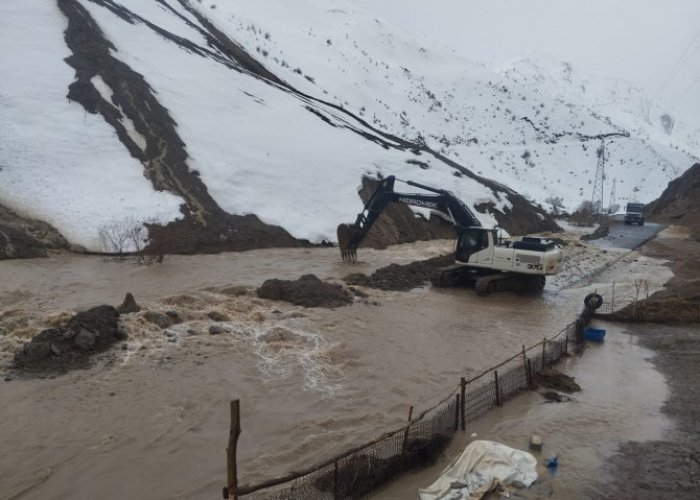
{"points": [[554, 397], [554, 379], [68, 347]]}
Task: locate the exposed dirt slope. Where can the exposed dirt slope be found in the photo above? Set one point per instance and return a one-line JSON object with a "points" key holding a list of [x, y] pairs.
{"points": [[680, 202], [22, 238]]}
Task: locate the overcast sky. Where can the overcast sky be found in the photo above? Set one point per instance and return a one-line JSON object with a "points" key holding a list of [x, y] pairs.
{"points": [[636, 40]]}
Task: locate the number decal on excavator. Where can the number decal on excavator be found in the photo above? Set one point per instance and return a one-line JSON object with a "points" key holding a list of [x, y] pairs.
{"points": [[535, 266]]}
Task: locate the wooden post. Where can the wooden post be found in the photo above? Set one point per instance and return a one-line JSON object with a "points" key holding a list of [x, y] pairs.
{"points": [[463, 392], [544, 352], [612, 301], [231, 490], [498, 392], [532, 376], [456, 412], [527, 375], [405, 434], [566, 343]]}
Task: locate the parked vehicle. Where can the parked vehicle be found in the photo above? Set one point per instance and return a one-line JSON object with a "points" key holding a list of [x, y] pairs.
{"points": [[634, 214]]}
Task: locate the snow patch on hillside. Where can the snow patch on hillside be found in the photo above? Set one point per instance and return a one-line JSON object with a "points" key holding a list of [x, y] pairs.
{"points": [[57, 162]]}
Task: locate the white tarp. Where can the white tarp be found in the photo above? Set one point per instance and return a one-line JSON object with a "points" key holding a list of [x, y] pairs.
{"points": [[482, 467]]}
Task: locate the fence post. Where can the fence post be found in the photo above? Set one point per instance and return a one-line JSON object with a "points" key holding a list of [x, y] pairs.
{"points": [[566, 343], [335, 480], [612, 302], [498, 392], [527, 375], [532, 376], [544, 352], [463, 392], [405, 434], [456, 412], [231, 489]]}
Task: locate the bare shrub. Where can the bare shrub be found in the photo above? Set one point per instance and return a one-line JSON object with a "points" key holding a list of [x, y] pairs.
{"points": [[583, 216], [130, 236]]}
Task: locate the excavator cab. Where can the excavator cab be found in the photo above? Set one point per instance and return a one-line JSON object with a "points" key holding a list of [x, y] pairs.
{"points": [[471, 240]]}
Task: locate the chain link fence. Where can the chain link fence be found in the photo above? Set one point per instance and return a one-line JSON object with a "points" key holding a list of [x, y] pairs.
{"points": [[366, 469]]}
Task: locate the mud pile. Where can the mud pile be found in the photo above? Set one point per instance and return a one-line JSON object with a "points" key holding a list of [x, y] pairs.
{"points": [[601, 232], [69, 346], [401, 277], [554, 379], [307, 291]]}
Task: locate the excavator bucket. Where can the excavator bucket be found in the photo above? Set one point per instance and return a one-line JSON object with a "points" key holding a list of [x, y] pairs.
{"points": [[345, 235]]}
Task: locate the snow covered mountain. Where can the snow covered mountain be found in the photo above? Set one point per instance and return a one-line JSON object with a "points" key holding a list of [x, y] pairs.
{"points": [[252, 123]]}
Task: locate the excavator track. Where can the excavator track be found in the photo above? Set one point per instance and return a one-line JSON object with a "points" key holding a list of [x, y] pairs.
{"points": [[508, 282], [451, 276]]}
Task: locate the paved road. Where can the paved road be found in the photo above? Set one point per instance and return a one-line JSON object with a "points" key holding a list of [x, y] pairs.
{"points": [[630, 237]]}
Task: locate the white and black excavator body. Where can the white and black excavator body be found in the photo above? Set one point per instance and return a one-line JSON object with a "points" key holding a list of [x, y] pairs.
{"points": [[482, 258]]}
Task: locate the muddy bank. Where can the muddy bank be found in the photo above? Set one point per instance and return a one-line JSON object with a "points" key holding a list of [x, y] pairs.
{"points": [[667, 468], [657, 310], [679, 301], [23, 238], [70, 345]]}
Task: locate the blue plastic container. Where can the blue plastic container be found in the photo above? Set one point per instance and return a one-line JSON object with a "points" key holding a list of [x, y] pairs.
{"points": [[594, 334]]}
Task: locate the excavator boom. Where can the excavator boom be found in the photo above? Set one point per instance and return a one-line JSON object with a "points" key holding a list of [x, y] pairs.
{"points": [[351, 235]]}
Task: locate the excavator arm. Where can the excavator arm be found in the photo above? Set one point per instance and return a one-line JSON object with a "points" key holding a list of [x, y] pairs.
{"points": [[351, 235]]}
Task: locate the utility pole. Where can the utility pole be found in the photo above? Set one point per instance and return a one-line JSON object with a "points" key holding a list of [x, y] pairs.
{"points": [[612, 202], [597, 197]]}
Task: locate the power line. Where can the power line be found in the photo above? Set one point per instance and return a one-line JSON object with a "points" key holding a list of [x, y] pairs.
{"points": [[686, 91], [687, 52]]}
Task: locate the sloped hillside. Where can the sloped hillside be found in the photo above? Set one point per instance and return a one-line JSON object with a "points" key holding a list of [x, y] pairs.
{"points": [[680, 202], [252, 123]]}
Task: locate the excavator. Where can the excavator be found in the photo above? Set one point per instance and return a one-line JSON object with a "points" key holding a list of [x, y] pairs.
{"points": [[482, 258]]}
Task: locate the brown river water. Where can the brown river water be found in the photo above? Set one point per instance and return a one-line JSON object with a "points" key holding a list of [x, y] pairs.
{"points": [[151, 421]]}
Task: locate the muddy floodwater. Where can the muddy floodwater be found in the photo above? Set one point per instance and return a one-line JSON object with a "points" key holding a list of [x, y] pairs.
{"points": [[150, 420], [622, 393]]}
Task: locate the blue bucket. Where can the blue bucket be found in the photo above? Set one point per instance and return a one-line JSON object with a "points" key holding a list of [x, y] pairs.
{"points": [[594, 334]]}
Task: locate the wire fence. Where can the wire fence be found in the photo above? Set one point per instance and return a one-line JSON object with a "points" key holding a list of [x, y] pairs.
{"points": [[628, 301], [367, 468], [620, 295]]}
